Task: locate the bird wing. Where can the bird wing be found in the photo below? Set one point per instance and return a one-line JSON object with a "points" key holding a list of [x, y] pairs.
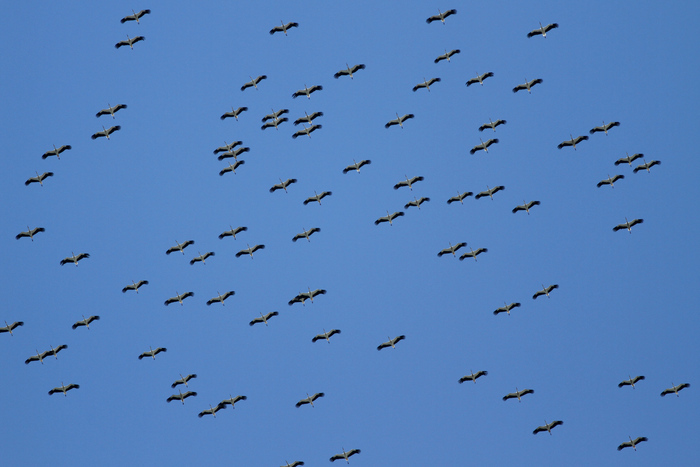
{"points": [[549, 27]]}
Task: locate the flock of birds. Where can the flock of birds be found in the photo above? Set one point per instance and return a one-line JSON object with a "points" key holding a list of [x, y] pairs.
{"points": [[274, 120]]}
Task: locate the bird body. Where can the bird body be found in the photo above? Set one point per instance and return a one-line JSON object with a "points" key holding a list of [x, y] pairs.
{"points": [[134, 286], [391, 342], [452, 249], [572, 142], [250, 250], [64, 389], [325, 335], [86, 321], [542, 30], [398, 120], [473, 376], [307, 91], [545, 291], [479, 79], [408, 182], [130, 41], [632, 443], [309, 399], [202, 258], [627, 225], [283, 28], [57, 151], [426, 84], [233, 113], [74, 259], [473, 253], [30, 233], [181, 397], [517, 394], [389, 218], [232, 232], [506, 308], [39, 178], [307, 131], [674, 389], [263, 318], [349, 71], [646, 166], [152, 353], [179, 298], [179, 247], [106, 132], [220, 298], [282, 185], [490, 192], [306, 234], [253, 82], [11, 327], [447, 55], [526, 207], [231, 167], [110, 110], [183, 380], [547, 427], [527, 85], [135, 16], [604, 128], [483, 146], [631, 381], [356, 165]]}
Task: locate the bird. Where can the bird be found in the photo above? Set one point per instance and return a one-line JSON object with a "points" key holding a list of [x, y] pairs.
{"points": [[39, 357], [233, 153], [416, 202], [232, 232], [447, 55], [39, 178], [572, 142], [282, 185], [426, 84], [135, 16], [629, 159], [57, 151], [460, 197], [110, 110], [253, 83], [325, 335], [349, 71], [542, 30], [473, 376], [30, 233], [309, 399], [391, 342], [264, 318], [231, 167], [220, 298], [479, 79], [525, 207], [303, 296], [181, 397], [179, 298], [183, 380], [545, 291], [473, 253], [604, 128], [483, 146], [632, 443], [11, 327], [628, 225], [441, 16], [517, 394], [106, 132], [64, 389], [274, 114], [274, 123], [211, 410], [317, 197], [250, 250], [398, 120], [408, 182], [631, 381], [356, 165], [490, 191], [308, 118], [74, 259], [452, 249], [492, 125], [152, 353], [547, 427], [306, 234], [179, 247], [54, 351], [202, 257], [506, 308], [234, 112], [129, 41], [307, 91], [610, 181], [527, 85], [389, 218], [293, 464], [345, 455], [674, 389], [283, 28], [232, 401], [307, 131], [134, 286], [227, 147], [646, 166], [86, 321]]}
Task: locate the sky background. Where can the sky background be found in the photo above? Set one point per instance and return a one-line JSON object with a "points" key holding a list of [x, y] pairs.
{"points": [[626, 304]]}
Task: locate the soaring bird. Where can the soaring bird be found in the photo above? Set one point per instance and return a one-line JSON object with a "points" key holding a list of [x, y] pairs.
{"points": [[110, 110], [628, 225], [232, 232], [483, 146], [253, 83], [604, 128], [408, 182], [41, 356], [231, 167], [473, 253], [303, 296], [674, 389], [86, 321], [309, 399], [307, 91], [308, 118], [30, 233], [202, 257], [460, 197], [134, 286], [220, 298], [356, 165], [398, 120], [345, 455], [416, 202], [631, 381], [63, 388], [452, 249], [317, 197], [629, 159], [74, 259], [129, 41], [441, 16], [179, 247], [305, 234], [572, 142], [250, 250], [264, 318], [11, 327], [57, 151], [181, 397], [547, 427], [293, 464], [54, 351], [389, 218], [426, 84], [283, 28], [136, 16], [391, 342], [492, 125], [152, 353], [306, 131], [542, 30], [179, 298], [473, 376], [274, 123], [274, 114], [282, 185], [325, 335], [233, 113], [646, 166], [527, 85], [479, 79], [610, 181], [348, 71], [106, 132], [232, 400], [545, 291], [506, 308], [39, 178], [526, 207], [227, 147], [490, 192], [233, 153], [517, 394], [211, 410], [447, 55], [183, 380], [632, 443]]}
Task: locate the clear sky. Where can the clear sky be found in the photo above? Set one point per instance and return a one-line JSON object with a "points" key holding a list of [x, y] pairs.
{"points": [[626, 303]]}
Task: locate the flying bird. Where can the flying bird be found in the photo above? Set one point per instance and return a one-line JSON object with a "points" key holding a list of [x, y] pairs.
{"points": [[106, 132], [441, 16], [57, 151], [473, 253], [232, 401], [136, 16], [317, 197], [307, 91], [303, 296], [231, 167], [572, 142], [426, 84], [183, 380], [483, 146], [250, 250], [134, 286], [54, 351], [545, 291], [202, 257], [325, 335], [129, 41], [526, 207], [408, 182], [307, 131], [233, 113], [11, 327], [517, 394], [308, 118], [181, 397], [63, 389], [253, 83], [39, 178], [604, 128], [356, 165], [490, 192], [220, 298], [389, 218], [632, 443], [391, 342], [152, 353], [309, 399], [674, 389], [211, 410], [547, 427], [506, 308], [282, 185], [274, 123], [180, 247], [305, 234], [233, 153], [39, 357], [479, 79], [283, 28], [473, 376], [30, 233], [345, 455], [293, 464], [629, 159], [110, 110], [610, 181], [86, 321], [646, 166], [232, 232], [631, 381], [398, 120], [628, 225], [542, 30], [447, 55], [74, 259], [227, 147], [179, 298], [264, 318], [492, 125], [452, 249], [460, 197], [416, 202], [527, 85], [275, 114], [349, 71]]}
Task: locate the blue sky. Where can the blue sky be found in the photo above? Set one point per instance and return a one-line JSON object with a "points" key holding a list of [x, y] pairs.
{"points": [[625, 303]]}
